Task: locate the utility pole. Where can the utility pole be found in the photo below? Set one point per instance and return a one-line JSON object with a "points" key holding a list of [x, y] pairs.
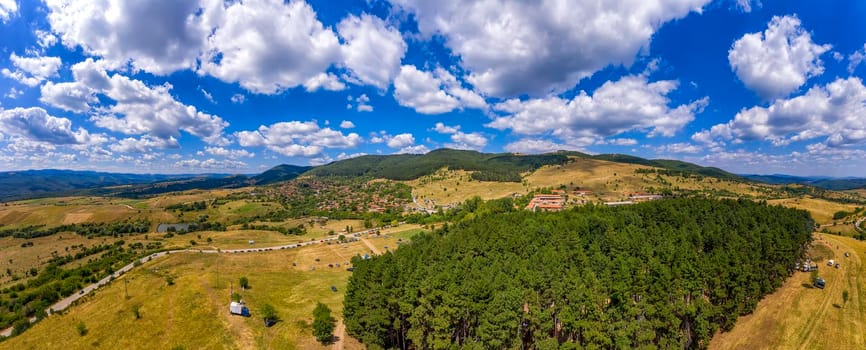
{"points": [[126, 287]]}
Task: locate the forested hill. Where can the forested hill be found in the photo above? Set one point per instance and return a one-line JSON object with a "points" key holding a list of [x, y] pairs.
{"points": [[485, 166], [664, 274], [34, 183], [833, 184]]}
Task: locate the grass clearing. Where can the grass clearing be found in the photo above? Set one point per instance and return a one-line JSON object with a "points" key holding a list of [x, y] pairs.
{"points": [[798, 316], [822, 210]]}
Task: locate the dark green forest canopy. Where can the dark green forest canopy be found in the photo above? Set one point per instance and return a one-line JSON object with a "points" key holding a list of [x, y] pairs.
{"points": [[665, 274], [485, 166]]}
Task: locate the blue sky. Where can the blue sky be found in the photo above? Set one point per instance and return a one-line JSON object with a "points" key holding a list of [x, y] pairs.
{"points": [[239, 86]]}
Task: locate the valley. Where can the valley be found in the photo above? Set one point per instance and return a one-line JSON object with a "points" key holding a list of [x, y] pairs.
{"points": [[239, 232]]}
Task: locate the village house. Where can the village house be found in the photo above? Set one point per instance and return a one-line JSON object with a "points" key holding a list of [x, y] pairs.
{"points": [[546, 202]]}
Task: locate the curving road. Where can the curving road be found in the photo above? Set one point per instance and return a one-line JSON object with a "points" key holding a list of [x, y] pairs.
{"points": [[65, 302]]}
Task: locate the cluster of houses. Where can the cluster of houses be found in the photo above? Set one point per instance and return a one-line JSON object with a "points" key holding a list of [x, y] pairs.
{"points": [[546, 202], [557, 200]]}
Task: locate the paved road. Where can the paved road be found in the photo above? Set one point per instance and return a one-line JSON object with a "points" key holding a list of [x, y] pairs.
{"points": [[64, 303]]}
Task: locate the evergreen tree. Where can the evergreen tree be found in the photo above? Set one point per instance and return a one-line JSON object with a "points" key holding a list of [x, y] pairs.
{"points": [[323, 324]]}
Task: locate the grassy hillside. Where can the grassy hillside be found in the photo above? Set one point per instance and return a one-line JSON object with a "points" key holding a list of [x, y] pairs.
{"points": [[193, 313], [669, 164]]}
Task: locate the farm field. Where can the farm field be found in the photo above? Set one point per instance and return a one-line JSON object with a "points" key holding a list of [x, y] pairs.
{"points": [[193, 313], [798, 316]]}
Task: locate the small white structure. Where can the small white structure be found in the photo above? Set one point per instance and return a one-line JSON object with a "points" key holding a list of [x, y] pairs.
{"points": [[252, 241], [238, 308], [831, 262]]}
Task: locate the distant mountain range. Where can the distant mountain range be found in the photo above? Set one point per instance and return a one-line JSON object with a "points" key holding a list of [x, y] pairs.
{"points": [[830, 183], [15, 185], [501, 167]]}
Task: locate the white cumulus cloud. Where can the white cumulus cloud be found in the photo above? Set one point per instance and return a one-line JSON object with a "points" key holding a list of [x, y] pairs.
{"points": [[433, 92], [373, 50], [35, 124], [516, 47], [8, 8], [834, 111], [777, 61], [268, 46], [157, 37], [32, 71], [629, 104], [297, 139]]}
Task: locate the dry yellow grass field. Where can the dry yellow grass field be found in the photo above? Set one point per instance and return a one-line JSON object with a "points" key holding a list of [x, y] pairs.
{"points": [[822, 210], [798, 316], [609, 181], [449, 187], [193, 313]]}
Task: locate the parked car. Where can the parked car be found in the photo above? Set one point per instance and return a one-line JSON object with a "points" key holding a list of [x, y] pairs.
{"points": [[820, 283]]}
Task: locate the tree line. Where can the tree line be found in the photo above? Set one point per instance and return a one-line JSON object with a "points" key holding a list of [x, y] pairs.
{"points": [[83, 229], [662, 274]]}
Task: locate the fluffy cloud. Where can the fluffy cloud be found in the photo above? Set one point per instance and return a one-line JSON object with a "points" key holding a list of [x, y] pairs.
{"points": [[401, 140], [618, 142], [445, 129], [45, 39], [416, 149], [433, 92], [8, 8], [229, 153], [631, 103], [535, 146], [346, 124], [461, 140], [815, 159], [35, 124], [137, 109], [325, 81], [268, 46], [516, 47], [113, 29], [31, 71], [297, 139], [362, 103], [144, 144], [779, 60], [373, 51], [680, 147], [856, 58], [211, 164], [474, 141], [69, 96], [834, 111]]}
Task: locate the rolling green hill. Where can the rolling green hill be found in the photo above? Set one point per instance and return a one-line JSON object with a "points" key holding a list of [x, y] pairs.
{"points": [[486, 166]]}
